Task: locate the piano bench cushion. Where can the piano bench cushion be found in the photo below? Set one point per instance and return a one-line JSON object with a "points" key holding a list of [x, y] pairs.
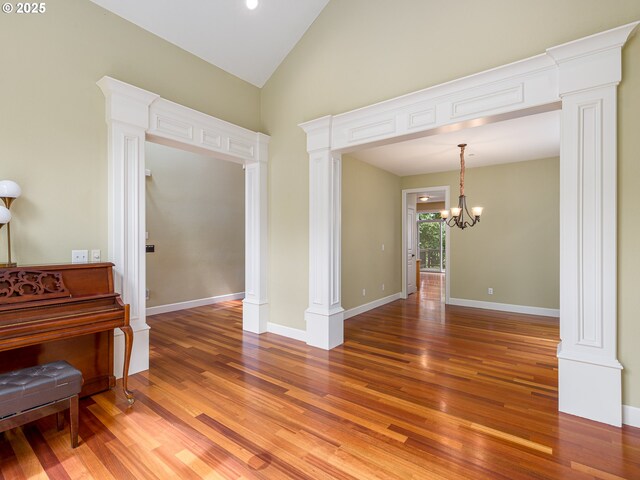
{"points": [[33, 387]]}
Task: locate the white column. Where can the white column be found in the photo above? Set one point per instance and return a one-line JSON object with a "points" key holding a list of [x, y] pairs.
{"points": [[255, 309], [127, 117], [589, 371], [325, 315]]}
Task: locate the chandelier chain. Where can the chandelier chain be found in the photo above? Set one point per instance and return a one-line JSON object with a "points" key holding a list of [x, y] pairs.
{"points": [[462, 147]]}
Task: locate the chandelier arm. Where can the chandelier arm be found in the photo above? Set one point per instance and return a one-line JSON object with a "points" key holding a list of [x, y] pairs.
{"points": [[467, 210]]}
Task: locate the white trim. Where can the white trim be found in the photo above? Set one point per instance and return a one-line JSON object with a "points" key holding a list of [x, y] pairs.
{"points": [[581, 77], [631, 416], [506, 307], [293, 333], [174, 307], [134, 115], [139, 352], [447, 238], [352, 312], [590, 387], [324, 317]]}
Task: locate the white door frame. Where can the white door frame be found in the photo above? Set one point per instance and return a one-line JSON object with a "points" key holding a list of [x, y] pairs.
{"points": [[134, 115], [411, 230], [447, 201], [582, 78]]}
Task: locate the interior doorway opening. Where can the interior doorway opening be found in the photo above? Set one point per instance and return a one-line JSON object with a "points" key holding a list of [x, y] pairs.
{"points": [[432, 252], [195, 256], [427, 272]]}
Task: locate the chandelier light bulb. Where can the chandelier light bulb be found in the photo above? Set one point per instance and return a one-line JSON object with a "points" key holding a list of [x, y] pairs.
{"points": [[252, 4]]}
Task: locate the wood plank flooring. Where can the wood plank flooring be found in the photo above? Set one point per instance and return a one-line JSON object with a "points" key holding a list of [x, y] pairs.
{"points": [[417, 391]]}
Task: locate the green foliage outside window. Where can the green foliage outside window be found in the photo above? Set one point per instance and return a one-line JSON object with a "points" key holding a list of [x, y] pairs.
{"points": [[429, 239]]}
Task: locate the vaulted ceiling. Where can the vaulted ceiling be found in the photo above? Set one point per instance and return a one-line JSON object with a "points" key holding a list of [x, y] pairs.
{"points": [[249, 44]]}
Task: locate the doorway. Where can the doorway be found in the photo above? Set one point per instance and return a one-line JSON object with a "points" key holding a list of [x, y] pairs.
{"points": [[580, 78], [432, 252], [432, 259], [430, 236], [194, 229]]}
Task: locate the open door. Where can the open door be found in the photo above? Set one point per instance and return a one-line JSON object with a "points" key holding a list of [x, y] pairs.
{"points": [[412, 247]]}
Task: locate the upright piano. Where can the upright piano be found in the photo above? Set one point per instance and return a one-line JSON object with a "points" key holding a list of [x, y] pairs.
{"points": [[64, 312]]}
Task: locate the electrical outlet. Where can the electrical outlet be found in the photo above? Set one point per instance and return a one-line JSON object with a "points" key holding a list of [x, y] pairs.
{"points": [[147, 294], [490, 291], [95, 255], [383, 287], [364, 292], [383, 247], [79, 256]]}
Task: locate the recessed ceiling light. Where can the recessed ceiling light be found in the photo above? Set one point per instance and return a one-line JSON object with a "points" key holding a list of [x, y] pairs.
{"points": [[424, 198], [252, 4]]}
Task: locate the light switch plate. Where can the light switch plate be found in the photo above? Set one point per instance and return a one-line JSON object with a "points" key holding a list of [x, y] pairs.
{"points": [[95, 255]]}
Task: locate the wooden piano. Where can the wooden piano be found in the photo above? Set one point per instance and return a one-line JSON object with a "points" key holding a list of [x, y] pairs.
{"points": [[64, 312]]}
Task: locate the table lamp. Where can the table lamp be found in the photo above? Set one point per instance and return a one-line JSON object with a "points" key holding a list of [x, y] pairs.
{"points": [[9, 191]]}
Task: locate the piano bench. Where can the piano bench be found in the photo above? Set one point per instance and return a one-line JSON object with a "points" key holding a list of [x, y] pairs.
{"points": [[36, 392]]}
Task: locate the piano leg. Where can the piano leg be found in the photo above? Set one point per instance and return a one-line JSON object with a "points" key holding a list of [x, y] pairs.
{"points": [[128, 345]]}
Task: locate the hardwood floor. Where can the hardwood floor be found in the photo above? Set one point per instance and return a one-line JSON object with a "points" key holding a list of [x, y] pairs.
{"points": [[417, 391]]}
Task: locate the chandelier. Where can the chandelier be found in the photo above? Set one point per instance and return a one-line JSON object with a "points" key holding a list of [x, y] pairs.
{"points": [[460, 216]]}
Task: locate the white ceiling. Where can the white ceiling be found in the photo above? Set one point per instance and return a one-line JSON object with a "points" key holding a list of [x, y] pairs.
{"points": [[249, 44], [434, 196], [517, 140]]}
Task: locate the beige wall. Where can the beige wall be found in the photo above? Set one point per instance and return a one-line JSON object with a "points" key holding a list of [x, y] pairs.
{"points": [[195, 218], [515, 247], [629, 222], [429, 206], [357, 52], [362, 51], [52, 128], [371, 217]]}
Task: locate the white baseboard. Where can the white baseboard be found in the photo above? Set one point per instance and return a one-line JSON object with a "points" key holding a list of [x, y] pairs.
{"points": [[352, 312], [505, 307], [173, 307], [631, 416], [288, 332]]}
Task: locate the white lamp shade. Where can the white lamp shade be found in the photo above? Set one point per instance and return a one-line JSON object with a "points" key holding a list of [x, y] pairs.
{"points": [[5, 215], [9, 188], [477, 211], [444, 213], [455, 211]]}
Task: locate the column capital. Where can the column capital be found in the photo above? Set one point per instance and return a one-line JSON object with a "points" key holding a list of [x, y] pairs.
{"points": [[262, 148], [126, 103], [318, 133], [593, 61]]}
